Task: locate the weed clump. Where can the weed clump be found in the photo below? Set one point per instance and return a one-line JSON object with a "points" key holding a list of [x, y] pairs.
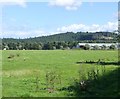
{"points": [[52, 79], [18, 55], [11, 56]]}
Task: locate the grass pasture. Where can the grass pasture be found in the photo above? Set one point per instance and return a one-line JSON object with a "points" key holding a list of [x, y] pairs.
{"points": [[56, 73]]}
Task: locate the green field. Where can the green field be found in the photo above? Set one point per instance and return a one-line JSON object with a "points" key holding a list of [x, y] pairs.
{"points": [[24, 75]]}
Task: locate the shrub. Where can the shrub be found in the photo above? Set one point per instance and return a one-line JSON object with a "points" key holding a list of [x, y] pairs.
{"points": [[113, 47], [87, 47], [17, 54]]}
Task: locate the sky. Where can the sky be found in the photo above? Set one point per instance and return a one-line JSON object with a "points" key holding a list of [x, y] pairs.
{"points": [[24, 19]]}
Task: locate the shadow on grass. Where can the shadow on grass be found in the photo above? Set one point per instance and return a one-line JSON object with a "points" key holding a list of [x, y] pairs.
{"points": [[100, 63], [104, 86]]}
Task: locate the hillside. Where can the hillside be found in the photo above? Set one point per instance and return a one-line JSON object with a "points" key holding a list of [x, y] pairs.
{"points": [[69, 37], [58, 41]]}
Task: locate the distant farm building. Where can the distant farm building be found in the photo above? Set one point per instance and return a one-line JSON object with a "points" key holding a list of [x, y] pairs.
{"points": [[100, 45]]}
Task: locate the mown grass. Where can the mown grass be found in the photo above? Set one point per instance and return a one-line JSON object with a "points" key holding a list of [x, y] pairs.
{"points": [[24, 75]]}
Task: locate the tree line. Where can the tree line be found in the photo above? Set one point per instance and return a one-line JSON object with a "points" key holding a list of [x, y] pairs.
{"points": [[51, 46], [39, 46], [68, 40]]}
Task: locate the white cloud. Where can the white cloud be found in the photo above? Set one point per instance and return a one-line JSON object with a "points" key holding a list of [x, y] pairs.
{"points": [[21, 3], [101, 0], [68, 4], [22, 34], [110, 26]]}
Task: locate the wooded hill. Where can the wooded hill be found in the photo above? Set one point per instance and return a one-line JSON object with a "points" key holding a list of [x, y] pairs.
{"points": [[69, 37], [67, 40]]}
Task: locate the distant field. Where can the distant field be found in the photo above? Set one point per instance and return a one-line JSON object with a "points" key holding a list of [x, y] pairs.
{"points": [[24, 75]]}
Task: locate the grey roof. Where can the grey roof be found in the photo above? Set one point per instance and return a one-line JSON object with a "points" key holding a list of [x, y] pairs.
{"points": [[99, 44]]}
